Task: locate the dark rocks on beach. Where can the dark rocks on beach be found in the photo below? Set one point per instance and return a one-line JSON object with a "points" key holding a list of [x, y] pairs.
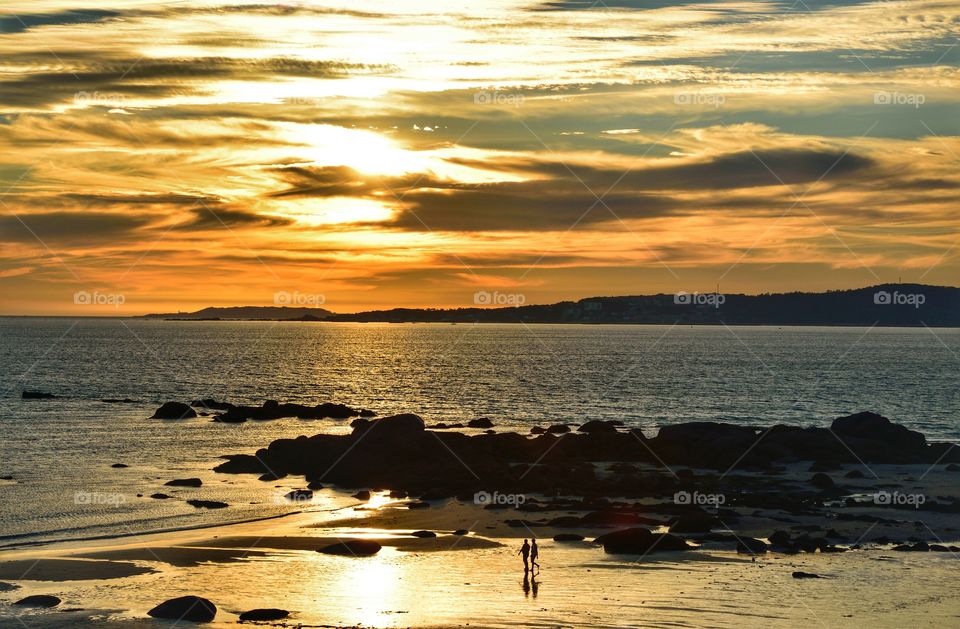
{"points": [[315, 485], [263, 615], [567, 537], [599, 425], [558, 429], [207, 504], [174, 410], [362, 495], [805, 575], [159, 496], [694, 523], [184, 482], [419, 504], [537, 430], [8, 587], [191, 608], [299, 495], [119, 465], [271, 409], [271, 476], [37, 395], [640, 541], [406, 424], [461, 532], [365, 412], [750, 546], [125, 400], [423, 534], [352, 547], [821, 481], [921, 547], [480, 422], [38, 600]]}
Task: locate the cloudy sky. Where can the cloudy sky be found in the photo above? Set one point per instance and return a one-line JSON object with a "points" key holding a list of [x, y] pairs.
{"points": [[392, 153]]}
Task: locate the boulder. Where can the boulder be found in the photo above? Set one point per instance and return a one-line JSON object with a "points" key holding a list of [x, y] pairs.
{"points": [[8, 587], [264, 614], [174, 410], [537, 430], [38, 600], [567, 537], [192, 608], [37, 395], [640, 541], [874, 427], [207, 504], [558, 429], [805, 575], [821, 481], [461, 532], [159, 496], [119, 466], [184, 482], [404, 425], [480, 422], [362, 495], [694, 523], [600, 426], [352, 548], [423, 534], [750, 546], [271, 476]]}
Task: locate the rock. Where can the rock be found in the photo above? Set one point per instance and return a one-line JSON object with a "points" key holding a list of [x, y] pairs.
{"points": [[8, 587], [37, 395], [877, 428], [853, 474], [391, 427], [174, 410], [805, 575], [125, 400], [600, 426], [264, 614], [192, 608], [423, 534], [184, 482], [38, 600], [119, 465], [919, 547], [939, 548], [694, 523], [362, 495], [537, 430], [640, 541], [352, 547], [314, 485], [271, 476], [480, 422], [418, 504], [558, 429], [567, 537], [207, 504], [750, 546], [779, 538], [821, 481], [299, 495], [461, 532], [367, 413], [159, 496]]}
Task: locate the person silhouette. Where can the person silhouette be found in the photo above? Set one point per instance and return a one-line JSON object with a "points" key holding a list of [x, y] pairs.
{"points": [[534, 553], [525, 551]]}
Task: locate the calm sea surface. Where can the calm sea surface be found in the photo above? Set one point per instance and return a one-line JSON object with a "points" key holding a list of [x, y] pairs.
{"points": [[59, 452]]}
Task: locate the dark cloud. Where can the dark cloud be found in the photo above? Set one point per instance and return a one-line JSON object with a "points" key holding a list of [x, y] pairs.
{"points": [[205, 218], [18, 23], [75, 228]]}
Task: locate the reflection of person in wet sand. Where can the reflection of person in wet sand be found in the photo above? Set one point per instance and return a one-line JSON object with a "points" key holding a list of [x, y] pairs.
{"points": [[525, 551], [530, 579], [534, 553]]}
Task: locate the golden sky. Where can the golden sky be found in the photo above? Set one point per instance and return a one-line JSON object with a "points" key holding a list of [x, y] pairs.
{"points": [[370, 154]]}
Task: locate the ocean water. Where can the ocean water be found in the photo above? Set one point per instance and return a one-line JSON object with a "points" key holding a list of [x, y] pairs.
{"points": [[59, 452]]}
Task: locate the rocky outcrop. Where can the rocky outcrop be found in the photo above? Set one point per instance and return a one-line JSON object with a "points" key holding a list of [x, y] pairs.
{"points": [[191, 608], [264, 615], [352, 548], [271, 409], [38, 600], [174, 410], [640, 541], [184, 482]]}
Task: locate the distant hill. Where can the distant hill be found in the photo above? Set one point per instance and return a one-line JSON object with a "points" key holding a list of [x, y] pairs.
{"points": [[252, 313], [885, 305]]}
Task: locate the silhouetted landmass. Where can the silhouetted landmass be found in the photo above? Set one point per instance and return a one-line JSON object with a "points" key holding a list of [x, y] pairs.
{"points": [[268, 313], [885, 304]]}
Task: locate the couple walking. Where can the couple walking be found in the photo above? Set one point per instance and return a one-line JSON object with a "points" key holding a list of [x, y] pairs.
{"points": [[529, 552]]}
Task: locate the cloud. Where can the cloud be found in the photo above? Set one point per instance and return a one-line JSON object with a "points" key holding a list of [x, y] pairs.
{"points": [[76, 228]]}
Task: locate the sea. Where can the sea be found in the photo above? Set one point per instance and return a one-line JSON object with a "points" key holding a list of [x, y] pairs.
{"points": [[56, 461]]}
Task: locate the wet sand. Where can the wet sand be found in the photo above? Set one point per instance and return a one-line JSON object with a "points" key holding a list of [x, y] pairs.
{"points": [[477, 580]]}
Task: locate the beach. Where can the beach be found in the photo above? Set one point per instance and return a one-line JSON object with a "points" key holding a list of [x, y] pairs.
{"points": [[465, 570]]}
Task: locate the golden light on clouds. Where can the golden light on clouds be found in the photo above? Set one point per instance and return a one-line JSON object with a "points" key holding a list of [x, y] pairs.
{"points": [[401, 154]]}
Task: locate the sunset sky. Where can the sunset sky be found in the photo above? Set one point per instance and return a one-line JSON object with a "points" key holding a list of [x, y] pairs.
{"points": [[400, 153]]}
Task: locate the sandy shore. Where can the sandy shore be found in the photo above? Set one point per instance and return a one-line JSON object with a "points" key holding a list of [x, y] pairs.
{"points": [[476, 580]]}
